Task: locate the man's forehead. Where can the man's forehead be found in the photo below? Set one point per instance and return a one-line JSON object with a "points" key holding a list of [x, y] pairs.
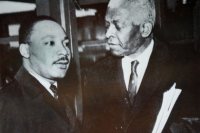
{"points": [[119, 3], [48, 29], [115, 3], [116, 14], [48, 26], [45, 24], [124, 3], [133, 10]]}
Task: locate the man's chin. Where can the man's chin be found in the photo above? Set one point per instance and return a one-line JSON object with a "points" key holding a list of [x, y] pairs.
{"points": [[61, 67], [116, 53], [59, 76], [60, 73]]}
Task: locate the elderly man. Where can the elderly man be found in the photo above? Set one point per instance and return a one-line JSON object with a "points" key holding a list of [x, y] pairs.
{"points": [[31, 102], [124, 92]]}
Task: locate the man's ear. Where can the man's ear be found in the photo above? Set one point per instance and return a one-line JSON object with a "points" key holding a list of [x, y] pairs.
{"points": [[146, 29], [24, 50]]}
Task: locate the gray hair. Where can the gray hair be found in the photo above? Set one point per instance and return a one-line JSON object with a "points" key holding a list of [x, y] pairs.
{"points": [[140, 10]]}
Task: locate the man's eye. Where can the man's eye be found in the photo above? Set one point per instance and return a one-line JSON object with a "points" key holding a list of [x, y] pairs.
{"points": [[66, 43], [50, 43], [116, 25], [107, 25]]}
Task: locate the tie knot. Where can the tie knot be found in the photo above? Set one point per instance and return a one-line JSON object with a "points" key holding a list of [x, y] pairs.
{"points": [[53, 88], [134, 65]]}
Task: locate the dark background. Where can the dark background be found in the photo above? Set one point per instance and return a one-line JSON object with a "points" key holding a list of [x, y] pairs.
{"points": [[177, 24]]}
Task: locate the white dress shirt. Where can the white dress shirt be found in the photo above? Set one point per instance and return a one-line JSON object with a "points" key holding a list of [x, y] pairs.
{"points": [[143, 60], [42, 80]]}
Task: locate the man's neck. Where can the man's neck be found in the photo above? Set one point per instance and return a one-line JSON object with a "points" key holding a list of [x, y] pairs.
{"points": [[33, 72], [143, 60], [142, 48]]}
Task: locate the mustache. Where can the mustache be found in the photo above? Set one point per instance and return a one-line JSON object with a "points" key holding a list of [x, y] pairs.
{"points": [[63, 59], [111, 38]]}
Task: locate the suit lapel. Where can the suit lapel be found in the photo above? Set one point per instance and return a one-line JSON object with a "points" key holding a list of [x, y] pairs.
{"points": [[33, 91], [153, 85], [57, 105], [149, 84], [120, 77]]}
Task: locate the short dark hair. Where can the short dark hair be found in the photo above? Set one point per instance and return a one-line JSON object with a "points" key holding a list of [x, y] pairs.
{"points": [[27, 26]]}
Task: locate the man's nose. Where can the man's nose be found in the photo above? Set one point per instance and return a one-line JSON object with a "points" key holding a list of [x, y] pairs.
{"points": [[63, 50], [109, 32]]}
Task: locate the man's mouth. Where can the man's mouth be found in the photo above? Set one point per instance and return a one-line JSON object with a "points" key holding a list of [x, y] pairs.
{"points": [[113, 46], [62, 63]]}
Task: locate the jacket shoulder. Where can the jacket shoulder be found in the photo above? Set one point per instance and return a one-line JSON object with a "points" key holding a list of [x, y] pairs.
{"points": [[10, 96], [11, 89], [11, 109]]}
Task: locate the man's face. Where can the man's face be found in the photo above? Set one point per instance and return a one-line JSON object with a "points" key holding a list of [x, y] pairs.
{"points": [[49, 52], [123, 35]]}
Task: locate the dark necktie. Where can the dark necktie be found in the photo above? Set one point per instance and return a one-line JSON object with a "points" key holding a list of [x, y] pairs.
{"points": [[54, 90], [132, 87]]}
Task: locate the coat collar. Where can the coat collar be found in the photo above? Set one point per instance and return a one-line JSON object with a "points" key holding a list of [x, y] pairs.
{"points": [[157, 79], [33, 91], [31, 88]]}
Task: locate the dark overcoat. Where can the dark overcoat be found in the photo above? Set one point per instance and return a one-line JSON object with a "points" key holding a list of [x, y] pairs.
{"points": [[106, 108], [27, 107]]}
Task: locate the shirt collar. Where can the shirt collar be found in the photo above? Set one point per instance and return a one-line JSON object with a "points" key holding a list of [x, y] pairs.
{"points": [[143, 60], [143, 57], [42, 80]]}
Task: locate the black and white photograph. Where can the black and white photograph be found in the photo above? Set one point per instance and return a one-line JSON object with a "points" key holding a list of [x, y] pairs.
{"points": [[99, 66]]}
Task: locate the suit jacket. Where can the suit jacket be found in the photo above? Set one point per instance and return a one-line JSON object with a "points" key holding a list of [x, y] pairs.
{"points": [[106, 108], [27, 107]]}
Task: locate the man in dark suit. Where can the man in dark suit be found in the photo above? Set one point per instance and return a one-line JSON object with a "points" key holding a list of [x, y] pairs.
{"points": [[123, 94], [31, 103]]}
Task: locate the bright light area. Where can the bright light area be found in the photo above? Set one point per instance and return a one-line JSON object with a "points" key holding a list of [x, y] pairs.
{"points": [[85, 12], [13, 29], [14, 7], [184, 2], [14, 44]]}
